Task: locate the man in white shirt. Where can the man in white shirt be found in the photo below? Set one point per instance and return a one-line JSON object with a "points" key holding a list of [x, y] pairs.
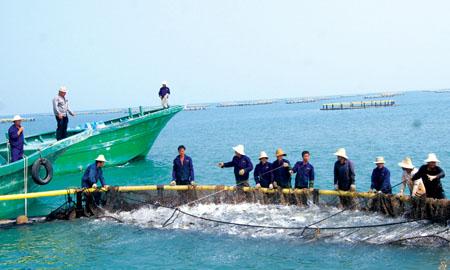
{"points": [[61, 111]]}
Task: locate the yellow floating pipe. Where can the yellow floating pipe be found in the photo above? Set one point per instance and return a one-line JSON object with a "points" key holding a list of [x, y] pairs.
{"points": [[64, 192]]}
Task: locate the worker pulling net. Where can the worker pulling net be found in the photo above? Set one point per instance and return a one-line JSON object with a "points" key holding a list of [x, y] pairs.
{"points": [[304, 214]]}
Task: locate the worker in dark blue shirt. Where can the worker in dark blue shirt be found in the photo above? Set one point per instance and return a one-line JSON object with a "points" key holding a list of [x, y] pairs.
{"points": [[164, 93], [304, 171], [183, 169], [281, 170], [381, 178], [94, 173], [263, 172], [344, 172], [242, 166], [16, 139]]}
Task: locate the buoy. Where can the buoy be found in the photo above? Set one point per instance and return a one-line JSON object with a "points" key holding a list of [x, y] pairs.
{"points": [[21, 220]]}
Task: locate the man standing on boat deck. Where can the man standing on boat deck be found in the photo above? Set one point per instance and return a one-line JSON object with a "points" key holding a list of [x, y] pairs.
{"points": [[281, 170], [431, 175], [242, 166], [16, 139], [94, 173], [304, 171], [344, 172], [164, 93], [183, 169], [381, 178], [263, 172], [61, 111]]}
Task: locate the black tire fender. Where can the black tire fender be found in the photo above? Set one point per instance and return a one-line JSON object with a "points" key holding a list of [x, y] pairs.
{"points": [[35, 168]]}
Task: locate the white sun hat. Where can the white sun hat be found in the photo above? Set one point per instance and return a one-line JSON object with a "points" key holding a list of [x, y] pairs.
{"points": [[63, 89], [379, 160], [431, 158], [101, 158], [239, 149], [341, 153], [263, 155], [406, 163], [164, 83], [17, 118]]}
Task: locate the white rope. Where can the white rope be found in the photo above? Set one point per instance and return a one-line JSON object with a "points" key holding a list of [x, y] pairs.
{"points": [[25, 181]]}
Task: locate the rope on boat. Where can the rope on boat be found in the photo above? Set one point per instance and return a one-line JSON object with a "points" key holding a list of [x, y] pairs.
{"points": [[25, 182]]}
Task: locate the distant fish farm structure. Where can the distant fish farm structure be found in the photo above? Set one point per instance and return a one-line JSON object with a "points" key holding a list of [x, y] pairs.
{"points": [[245, 103], [9, 120], [301, 100], [195, 107], [357, 105], [382, 95]]}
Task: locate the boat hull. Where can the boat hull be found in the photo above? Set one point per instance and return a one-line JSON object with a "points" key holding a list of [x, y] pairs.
{"points": [[120, 142]]}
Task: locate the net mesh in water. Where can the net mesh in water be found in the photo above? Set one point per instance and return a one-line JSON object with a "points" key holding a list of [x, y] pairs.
{"points": [[371, 218]]}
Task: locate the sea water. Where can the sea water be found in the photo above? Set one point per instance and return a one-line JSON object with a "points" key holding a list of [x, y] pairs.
{"points": [[419, 124]]}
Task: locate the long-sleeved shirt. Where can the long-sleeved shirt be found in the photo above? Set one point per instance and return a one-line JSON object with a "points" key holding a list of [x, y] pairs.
{"points": [[263, 174], [433, 187], [183, 172], [92, 175], [164, 91], [381, 180], [416, 188], [344, 174], [305, 175], [281, 174], [16, 141], [61, 106], [240, 163]]}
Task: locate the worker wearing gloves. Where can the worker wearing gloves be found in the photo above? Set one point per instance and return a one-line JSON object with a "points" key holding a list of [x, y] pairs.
{"points": [[263, 172], [416, 188], [94, 173], [304, 171], [431, 175], [281, 170], [344, 172], [183, 169], [242, 166], [381, 178]]}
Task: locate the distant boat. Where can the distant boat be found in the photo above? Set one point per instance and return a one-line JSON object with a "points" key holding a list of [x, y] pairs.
{"points": [[120, 140]]}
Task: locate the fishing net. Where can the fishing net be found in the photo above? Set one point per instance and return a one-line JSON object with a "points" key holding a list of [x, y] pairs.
{"points": [[330, 215]]}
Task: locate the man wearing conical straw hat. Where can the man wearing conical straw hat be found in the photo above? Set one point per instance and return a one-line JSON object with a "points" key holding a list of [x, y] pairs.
{"points": [[416, 188], [242, 166], [381, 178], [263, 172], [431, 175], [94, 173], [344, 172], [281, 170], [16, 139], [91, 176]]}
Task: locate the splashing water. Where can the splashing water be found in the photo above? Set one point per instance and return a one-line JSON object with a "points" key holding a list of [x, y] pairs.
{"points": [[422, 233]]}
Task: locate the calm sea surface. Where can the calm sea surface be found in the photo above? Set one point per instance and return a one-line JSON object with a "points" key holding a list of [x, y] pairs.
{"points": [[418, 125]]}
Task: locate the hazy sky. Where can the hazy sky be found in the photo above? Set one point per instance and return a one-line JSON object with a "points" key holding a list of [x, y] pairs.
{"points": [[116, 53]]}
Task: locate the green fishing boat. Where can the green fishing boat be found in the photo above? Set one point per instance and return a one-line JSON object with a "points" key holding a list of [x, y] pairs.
{"points": [[120, 140]]}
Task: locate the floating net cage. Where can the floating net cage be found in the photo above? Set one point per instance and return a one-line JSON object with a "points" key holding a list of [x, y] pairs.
{"points": [[331, 214]]}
